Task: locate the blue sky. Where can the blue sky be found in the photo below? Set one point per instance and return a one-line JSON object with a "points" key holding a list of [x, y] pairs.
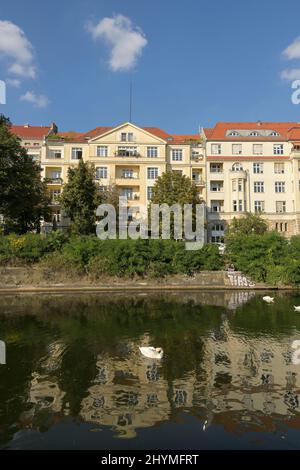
{"points": [[191, 62]]}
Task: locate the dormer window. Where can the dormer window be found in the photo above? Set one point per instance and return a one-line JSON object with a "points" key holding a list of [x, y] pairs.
{"points": [[274, 134], [254, 134], [233, 134]]}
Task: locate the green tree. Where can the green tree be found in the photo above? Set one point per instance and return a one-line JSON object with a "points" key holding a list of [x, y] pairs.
{"points": [[173, 188], [80, 198], [24, 199], [249, 224]]}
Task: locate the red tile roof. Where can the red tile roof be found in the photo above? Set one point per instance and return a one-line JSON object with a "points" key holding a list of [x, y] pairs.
{"points": [[184, 138], [219, 132], [30, 132]]}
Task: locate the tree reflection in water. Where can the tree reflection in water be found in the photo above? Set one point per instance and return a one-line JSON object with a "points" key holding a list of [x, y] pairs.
{"points": [[227, 362]]}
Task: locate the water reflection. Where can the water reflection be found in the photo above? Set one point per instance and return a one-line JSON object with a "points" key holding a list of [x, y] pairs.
{"points": [[78, 358]]}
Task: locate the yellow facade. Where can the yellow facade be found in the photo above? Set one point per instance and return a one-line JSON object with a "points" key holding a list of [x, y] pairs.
{"points": [[126, 156]]}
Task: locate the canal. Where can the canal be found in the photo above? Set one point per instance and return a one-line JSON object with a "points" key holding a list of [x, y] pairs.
{"points": [[74, 377]]}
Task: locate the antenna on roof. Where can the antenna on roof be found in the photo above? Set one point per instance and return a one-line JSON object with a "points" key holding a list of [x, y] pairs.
{"points": [[130, 102]]}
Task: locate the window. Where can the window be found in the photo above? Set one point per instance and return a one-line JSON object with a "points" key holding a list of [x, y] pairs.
{"points": [[127, 192], [76, 153], [254, 134], [258, 168], [240, 185], [279, 168], [216, 149], [217, 206], [216, 186], [259, 187], [218, 228], [259, 206], [177, 155], [237, 205], [55, 154], [257, 149], [102, 151], [127, 173], [127, 137], [127, 152], [233, 185], [152, 152], [196, 176], [236, 149], [274, 134], [56, 216], [237, 167], [55, 176], [280, 207], [55, 194], [217, 168], [149, 192], [278, 149], [101, 172], [152, 173], [279, 186], [233, 133], [217, 239]]}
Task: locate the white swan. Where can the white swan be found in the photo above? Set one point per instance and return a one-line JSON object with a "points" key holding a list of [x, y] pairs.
{"points": [[153, 353], [268, 299], [297, 308]]}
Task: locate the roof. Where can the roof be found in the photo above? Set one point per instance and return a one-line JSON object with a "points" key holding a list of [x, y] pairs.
{"points": [[222, 129], [31, 132], [184, 138]]}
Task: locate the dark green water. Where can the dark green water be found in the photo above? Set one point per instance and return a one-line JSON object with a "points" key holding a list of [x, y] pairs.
{"points": [[74, 377]]}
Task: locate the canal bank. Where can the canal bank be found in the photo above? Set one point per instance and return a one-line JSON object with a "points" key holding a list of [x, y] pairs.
{"points": [[32, 279]]}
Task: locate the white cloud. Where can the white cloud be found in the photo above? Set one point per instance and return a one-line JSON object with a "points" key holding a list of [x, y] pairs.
{"points": [[293, 50], [126, 41], [14, 82], [15, 46], [290, 74], [39, 101]]}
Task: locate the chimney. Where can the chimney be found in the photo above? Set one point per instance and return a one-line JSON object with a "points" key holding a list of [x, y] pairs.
{"points": [[26, 125], [259, 123]]}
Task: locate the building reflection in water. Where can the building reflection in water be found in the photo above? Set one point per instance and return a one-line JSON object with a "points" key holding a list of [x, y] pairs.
{"points": [[243, 380]]}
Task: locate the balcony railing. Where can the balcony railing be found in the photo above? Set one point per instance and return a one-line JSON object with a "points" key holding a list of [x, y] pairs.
{"points": [[54, 180], [124, 153]]}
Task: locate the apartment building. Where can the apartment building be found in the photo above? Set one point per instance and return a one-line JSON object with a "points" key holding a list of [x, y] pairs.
{"points": [[253, 167], [238, 167], [128, 156]]}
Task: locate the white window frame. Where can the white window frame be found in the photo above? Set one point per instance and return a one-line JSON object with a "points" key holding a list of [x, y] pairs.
{"points": [[216, 149], [102, 151], [75, 151], [177, 155], [152, 173], [258, 187], [152, 152], [279, 186], [258, 168], [257, 149], [278, 149], [101, 172]]}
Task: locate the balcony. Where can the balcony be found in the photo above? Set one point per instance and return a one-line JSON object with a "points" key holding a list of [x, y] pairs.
{"points": [[198, 182], [54, 180], [126, 154], [127, 181]]}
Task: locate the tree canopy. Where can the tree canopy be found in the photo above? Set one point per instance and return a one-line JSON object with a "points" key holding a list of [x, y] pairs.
{"points": [[24, 199], [80, 198]]}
